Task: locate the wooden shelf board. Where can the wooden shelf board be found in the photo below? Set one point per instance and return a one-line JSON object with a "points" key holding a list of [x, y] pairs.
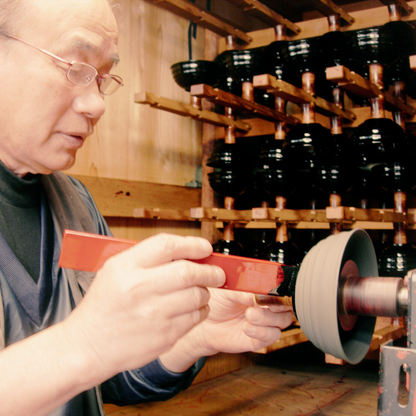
{"points": [[203, 18], [348, 216], [360, 86], [265, 14], [289, 338], [406, 8], [240, 104], [120, 198], [297, 95], [329, 8], [187, 110]]}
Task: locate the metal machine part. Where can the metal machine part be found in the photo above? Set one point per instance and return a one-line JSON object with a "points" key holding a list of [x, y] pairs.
{"points": [[394, 360]]}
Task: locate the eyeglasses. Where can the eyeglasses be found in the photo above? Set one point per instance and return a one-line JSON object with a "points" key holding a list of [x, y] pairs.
{"points": [[82, 74]]}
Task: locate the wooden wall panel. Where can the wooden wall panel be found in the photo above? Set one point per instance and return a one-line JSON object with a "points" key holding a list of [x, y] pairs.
{"points": [[134, 141]]}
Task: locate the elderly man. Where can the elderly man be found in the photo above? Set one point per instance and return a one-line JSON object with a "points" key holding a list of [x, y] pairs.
{"points": [[148, 318]]}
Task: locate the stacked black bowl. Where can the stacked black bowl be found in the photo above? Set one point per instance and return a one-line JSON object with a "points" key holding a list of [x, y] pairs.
{"points": [[229, 179], [188, 73]]}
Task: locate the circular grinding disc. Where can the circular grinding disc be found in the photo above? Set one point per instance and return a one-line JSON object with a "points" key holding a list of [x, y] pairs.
{"points": [[316, 294]]}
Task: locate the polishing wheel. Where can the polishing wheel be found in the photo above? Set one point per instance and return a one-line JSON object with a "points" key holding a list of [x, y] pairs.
{"points": [[338, 295]]}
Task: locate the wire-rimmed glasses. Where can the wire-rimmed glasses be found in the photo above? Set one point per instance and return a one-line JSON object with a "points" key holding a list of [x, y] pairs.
{"points": [[82, 74]]}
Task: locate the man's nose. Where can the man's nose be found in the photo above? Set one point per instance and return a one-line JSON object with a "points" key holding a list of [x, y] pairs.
{"points": [[89, 102]]}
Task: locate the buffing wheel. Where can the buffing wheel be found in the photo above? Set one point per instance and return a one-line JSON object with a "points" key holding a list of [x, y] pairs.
{"points": [[317, 292]]}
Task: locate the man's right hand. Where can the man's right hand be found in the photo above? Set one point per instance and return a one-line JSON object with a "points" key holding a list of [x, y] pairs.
{"points": [[142, 301]]}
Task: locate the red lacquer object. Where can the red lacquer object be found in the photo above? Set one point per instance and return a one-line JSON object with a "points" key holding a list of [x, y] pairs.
{"points": [[88, 252]]}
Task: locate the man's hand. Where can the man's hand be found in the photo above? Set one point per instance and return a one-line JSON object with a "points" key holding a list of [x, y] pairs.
{"points": [[235, 324], [142, 301]]}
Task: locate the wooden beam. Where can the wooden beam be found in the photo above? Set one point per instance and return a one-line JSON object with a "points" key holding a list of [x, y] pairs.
{"points": [[289, 215], [187, 110], [240, 104], [265, 14], [203, 18], [163, 214], [299, 96], [120, 198], [355, 83], [351, 214], [329, 8], [412, 61], [406, 8], [214, 214]]}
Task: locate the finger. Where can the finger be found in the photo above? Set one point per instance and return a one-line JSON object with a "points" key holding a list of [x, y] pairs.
{"points": [[265, 317], [234, 296], [266, 334], [182, 274], [186, 301], [184, 323], [280, 308], [164, 248]]}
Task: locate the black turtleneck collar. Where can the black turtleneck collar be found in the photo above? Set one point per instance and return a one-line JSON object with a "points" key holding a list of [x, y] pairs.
{"points": [[20, 192]]}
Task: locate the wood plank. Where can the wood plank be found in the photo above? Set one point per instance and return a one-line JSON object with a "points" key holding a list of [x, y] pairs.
{"points": [[163, 214], [203, 18], [378, 215], [215, 214], [329, 8], [265, 14], [259, 127], [352, 82], [297, 95], [357, 84], [412, 62], [290, 382], [386, 334], [187, 110], [289, 338], [406, 8], [289, 215], [209, 136], [119, 198], [240, 104]]}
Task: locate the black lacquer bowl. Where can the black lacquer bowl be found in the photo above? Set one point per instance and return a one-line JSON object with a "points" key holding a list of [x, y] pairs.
{"points": [[306, 55], [378, 141], [230, 183], [397, 259], [190, 73], [369, 46], [229, 247], [270, 173], [399, 39], [227, 156], [275, 60], [244, 64], [286, 252], [307, 146], [338, 49], [307, 149]]}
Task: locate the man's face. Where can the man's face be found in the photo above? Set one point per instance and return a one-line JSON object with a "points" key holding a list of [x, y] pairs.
{"points": [[44, 118]]}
